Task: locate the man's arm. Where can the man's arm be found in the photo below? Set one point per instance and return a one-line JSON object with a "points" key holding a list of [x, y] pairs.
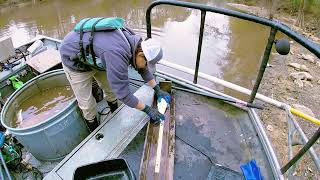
{"points": [[117, 73], [147, 76]]}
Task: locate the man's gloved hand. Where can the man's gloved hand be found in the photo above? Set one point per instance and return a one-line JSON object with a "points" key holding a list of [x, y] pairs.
{"points": [[154, 114], [162, 94]]}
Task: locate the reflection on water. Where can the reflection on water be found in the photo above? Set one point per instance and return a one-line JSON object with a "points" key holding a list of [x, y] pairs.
{"points": [[181, 42], [42, 106], [247, 43], [232, 49]]}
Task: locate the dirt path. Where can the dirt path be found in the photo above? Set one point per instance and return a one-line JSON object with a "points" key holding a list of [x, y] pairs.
{"points": [[280, 83]]}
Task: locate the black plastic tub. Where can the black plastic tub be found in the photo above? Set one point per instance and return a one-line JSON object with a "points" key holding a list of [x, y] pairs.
{"points": [[105, 170]]}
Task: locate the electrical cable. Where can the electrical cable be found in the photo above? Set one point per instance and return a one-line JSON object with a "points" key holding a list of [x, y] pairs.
{"points": [[24, 57], [206, 155]]}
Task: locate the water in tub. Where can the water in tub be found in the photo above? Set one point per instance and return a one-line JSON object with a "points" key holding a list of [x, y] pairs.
{"points": [[42, 106]]}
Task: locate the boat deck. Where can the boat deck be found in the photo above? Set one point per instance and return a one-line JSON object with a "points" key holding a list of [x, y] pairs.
{"points": [[219, 130], [213, 139], [205, 128]]}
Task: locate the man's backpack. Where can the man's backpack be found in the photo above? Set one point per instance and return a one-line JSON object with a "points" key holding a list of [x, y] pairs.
{"points": [[87, 55]]}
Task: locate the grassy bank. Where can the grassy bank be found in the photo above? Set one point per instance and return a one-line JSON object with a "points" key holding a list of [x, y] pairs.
{"points": [[10, 2]]}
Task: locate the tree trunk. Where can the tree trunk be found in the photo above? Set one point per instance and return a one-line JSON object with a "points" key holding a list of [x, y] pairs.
{"points": [[300, 20], [271, 6]]}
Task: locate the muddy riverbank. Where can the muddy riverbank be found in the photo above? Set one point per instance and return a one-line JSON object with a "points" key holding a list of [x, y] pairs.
{"points": [[293, 79]]}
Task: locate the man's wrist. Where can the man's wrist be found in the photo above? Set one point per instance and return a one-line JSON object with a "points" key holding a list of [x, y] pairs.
{"points": [[156, 88], [140, 105], [145, 109]]}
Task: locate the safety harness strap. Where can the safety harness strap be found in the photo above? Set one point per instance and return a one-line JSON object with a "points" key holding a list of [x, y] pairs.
{"points": [[91, 41], [81, 40]]}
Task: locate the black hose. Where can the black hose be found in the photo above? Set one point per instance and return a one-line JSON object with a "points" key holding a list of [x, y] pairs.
{"points": [[24, 57]]}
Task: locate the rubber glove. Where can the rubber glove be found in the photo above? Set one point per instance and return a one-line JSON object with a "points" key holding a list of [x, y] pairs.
{"points": [[154, 114], [162, 94]]}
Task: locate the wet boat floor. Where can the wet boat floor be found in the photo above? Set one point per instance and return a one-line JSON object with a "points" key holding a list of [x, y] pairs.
{"points": [[207, 128], [224, 133]]}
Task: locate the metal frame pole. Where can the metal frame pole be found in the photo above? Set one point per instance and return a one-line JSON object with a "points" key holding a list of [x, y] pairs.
{"points": [[302, 151], [203, 19], [263, 65]]}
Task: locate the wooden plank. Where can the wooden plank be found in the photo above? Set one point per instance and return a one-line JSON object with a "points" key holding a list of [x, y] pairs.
{"points": [[171, 140], [45, 60], [146, 153], [153, 164]]}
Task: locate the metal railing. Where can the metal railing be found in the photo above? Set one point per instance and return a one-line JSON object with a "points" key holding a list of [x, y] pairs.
{"points": [[275, 26]]}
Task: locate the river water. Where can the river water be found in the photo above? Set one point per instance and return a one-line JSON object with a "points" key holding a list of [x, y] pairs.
{"points": [[232, 48]]}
